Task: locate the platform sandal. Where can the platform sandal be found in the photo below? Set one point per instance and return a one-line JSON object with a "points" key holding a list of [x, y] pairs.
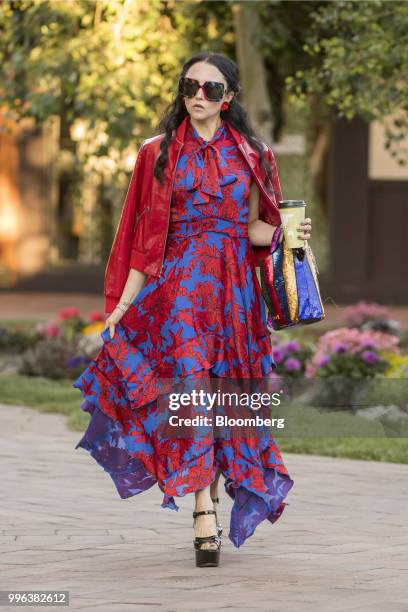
{"points": [[216, 500], [206, 557]]}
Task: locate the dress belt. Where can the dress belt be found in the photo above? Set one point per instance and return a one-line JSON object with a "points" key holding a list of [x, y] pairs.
{"points": [[196, 226]]}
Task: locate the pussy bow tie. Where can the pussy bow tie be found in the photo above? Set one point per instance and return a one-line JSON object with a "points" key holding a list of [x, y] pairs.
{"points": [[209, 173]]}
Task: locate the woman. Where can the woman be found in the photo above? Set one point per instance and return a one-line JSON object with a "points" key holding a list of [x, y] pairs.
{"points": [[183, 300]]}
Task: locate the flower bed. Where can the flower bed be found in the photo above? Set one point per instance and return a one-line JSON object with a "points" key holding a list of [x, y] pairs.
{"points": [[369, 346], [57, 349]]}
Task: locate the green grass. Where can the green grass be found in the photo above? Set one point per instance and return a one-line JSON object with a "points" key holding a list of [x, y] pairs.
{"points": [[45, 395], [354, 437], [60, 397], [393, 450]]}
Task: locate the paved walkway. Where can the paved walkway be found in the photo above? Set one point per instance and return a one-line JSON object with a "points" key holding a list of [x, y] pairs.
{"points": [[341, 544]]}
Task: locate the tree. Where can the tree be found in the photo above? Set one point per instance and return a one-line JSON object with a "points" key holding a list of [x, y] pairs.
{"points": [[333, 59], [105, 68], [359, 63]]}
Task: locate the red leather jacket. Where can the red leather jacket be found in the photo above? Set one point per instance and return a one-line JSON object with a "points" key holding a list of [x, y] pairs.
{"points": [[140, 238]]}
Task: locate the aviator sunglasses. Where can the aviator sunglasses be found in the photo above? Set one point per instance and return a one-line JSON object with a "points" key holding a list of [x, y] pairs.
{"points": [[212, 90]]}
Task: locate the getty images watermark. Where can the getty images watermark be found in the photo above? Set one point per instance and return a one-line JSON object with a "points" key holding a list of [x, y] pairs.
{"points": [[201, 408]]}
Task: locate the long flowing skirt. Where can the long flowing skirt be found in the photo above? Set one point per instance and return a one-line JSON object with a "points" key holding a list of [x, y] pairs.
{"points": [[202, 318]]}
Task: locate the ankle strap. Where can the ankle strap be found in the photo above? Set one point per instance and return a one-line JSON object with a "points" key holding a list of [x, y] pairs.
{"points": [[203, 512]]}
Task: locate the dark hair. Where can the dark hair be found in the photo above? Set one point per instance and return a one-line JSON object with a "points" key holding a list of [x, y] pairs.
{"points": [[235, 114]]}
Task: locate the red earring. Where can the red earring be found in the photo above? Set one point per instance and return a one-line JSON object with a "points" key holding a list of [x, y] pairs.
{"points": [[225, 106]]}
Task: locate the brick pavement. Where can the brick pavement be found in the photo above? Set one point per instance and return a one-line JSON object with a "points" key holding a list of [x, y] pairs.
{"points": [[340, 545]]}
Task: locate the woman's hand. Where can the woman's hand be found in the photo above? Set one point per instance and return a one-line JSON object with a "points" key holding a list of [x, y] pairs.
{"points": [[135, 281], [111, 321], [305, 228]]}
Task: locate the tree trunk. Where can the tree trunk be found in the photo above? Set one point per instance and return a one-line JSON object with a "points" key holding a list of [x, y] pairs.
{"points": [[68, 179], [252, 70]]}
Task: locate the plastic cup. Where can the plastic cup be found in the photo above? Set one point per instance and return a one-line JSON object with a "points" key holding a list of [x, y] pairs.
{"points": [[292, 212]]}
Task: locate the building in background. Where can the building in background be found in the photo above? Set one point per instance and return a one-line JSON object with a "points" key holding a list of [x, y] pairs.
{"points": [[367, 197]]}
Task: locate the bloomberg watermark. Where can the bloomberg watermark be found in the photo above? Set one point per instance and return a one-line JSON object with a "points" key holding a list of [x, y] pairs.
{"points": [[303, 407]]}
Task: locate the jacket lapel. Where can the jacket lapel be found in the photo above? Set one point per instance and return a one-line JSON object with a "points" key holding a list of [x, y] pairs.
{"points": [[250, 154]]}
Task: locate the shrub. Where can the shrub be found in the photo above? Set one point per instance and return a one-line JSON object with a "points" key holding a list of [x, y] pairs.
{"points": [[397, 366], [356, 315], [53, 358], [371, 316], [66, 345], [352, 353], [291, 357], [16, 340]]}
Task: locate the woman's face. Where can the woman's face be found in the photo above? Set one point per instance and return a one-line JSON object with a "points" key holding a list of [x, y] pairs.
{"points": [[198, 107]]}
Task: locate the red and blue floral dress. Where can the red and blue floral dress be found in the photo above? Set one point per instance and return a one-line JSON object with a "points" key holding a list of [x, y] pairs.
{"points": [[204, 316]]}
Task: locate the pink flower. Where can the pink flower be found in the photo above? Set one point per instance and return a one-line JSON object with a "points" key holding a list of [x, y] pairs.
{"points": [[52, 330], [292, 364], [96, 316], [368, 343], [40, 328], [68, 313], [382, 341], [356, 341], [357, 314], [310, 369]]}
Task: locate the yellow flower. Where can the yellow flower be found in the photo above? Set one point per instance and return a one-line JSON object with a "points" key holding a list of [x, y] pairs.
{"points": [[93, 328], [398, 365]]}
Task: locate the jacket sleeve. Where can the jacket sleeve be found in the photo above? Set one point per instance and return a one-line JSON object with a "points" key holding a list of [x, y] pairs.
{"points": [[273, 186], [274, 181], [117, 268]]}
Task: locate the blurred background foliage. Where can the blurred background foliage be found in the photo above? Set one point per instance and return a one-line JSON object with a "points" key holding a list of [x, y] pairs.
{"points": [[106, 69]]}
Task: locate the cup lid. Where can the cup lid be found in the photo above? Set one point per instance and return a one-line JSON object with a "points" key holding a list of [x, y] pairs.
{"points": [[290, 203]]}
